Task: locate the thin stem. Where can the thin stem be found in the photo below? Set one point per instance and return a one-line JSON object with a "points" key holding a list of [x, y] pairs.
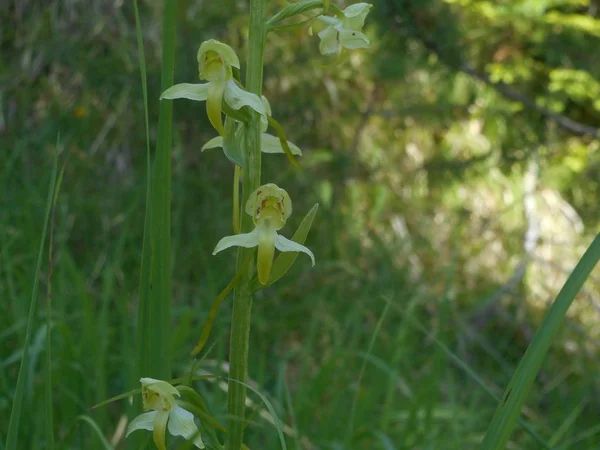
{"points": [[236, 199], [242, 297]]}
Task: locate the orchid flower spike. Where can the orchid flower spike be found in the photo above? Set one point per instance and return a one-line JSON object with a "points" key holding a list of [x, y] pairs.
{"points": [[269, 143], [159, 397], [345, 31], [270, 207], [215, 63]]}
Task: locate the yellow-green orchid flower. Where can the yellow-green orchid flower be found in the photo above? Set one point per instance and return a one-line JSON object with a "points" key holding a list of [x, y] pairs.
{"points": [[215, 62], [269, 143], [270, 207], [345, 31], [159, 397]]}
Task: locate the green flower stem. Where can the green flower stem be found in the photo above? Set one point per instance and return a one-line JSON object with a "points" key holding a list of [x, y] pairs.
{"points": [[242, 296]]}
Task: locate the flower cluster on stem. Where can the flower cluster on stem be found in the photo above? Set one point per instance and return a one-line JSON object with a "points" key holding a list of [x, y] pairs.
{"points": [[243, 137]]}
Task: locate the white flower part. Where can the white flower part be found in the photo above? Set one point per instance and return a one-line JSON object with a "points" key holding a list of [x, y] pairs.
{"points": [[144, 421], [246, 240], [329, 41], [197, 92], [238, 98], [224, 51], [355, 15], [215, 60], [272, 144], [284, 244], [269, 201], [159, 397], [181, 423], [345, 31]]}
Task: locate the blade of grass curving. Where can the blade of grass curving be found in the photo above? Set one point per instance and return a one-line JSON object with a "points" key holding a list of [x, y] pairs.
{"points": [[470, 372], [276, 421], [95, 428], [350, 431], [155, 283], [508, 411], [144, 287], [214, 309], [567, 423], [48, 410], [15, 413]]}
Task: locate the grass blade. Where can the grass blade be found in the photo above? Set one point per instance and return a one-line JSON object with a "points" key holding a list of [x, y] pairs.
{"points": [[518, 388], [155, 281], [15, 413], [350, 432], [471, 373], [49, 414]]}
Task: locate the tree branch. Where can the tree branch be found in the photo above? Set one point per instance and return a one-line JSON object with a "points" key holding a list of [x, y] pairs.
{"points": [[504, 89]]}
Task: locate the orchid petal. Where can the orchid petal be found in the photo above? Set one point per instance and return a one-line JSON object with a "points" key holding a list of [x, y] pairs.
{"points": [[213, 143], [197, 92], [351, 39], [329, 42], [142, 422], [181, 423], [158, 432], [238, 98], [272, 144], [356, 14], [246, 240], [285, 245]]}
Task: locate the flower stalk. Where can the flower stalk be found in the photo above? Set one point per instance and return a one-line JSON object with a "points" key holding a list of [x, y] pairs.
{"points": [[242, 297]]}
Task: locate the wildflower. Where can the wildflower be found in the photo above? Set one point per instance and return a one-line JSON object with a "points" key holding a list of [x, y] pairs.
{"points": [[345, 31], [215, 63], [270, 207], [159, 396], [269, 143]]}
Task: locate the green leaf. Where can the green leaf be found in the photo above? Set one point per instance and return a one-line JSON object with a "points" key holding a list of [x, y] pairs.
{"points": [[283, 141], [232, 143], [516, 393]]}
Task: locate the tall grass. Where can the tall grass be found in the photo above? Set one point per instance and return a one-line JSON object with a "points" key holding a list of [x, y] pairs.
{"points": [[25, 366], [154, 310], [338, 372]]}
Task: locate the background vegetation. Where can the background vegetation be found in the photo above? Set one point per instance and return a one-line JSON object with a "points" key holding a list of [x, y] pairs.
{"points": [[457, 165]]}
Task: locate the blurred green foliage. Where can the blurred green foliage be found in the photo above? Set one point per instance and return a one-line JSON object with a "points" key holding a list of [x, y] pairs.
{"points": [[457, 164]]}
